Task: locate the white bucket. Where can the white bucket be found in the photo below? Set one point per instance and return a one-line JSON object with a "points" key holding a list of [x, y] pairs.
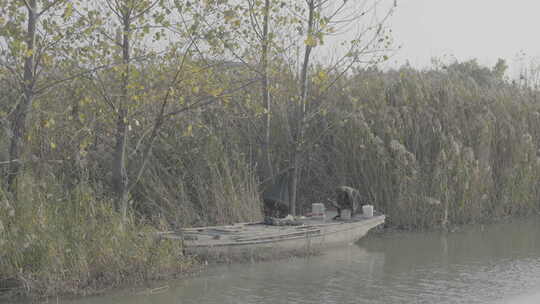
{"points": [[346, 214], [367, 210], [318, 210]]}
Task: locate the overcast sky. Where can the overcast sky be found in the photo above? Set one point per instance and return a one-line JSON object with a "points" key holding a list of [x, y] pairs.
{"points": [[466, 29]]}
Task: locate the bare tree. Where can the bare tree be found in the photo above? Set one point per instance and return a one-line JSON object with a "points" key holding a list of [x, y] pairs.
{"points": [[322, 19]]}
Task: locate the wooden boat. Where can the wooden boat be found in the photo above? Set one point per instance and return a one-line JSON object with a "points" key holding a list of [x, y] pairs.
{"points": [[259, 241]]}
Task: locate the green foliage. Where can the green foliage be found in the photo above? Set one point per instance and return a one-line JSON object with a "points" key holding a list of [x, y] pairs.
{"points": [[56, 242]]}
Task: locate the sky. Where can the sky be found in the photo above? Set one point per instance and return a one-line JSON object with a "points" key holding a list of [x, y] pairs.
{"points": [[466, 29]]}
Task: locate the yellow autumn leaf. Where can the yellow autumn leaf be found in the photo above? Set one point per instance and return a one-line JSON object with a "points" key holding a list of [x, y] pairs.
{"points": [[322, 75], [46, 59], [49, 123], [216, 92], [68, 12], [311, 41], [228, 15], [225, 100], [188, 131]]}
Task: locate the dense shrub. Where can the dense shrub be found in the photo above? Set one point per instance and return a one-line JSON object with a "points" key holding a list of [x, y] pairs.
{"points": [[57, 244]]}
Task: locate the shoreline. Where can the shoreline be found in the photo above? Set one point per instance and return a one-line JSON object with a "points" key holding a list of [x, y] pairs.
{"points": [[200, 265]]}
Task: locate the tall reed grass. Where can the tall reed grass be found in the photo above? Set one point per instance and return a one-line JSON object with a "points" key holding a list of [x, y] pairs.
{"points": [[431, 148]]}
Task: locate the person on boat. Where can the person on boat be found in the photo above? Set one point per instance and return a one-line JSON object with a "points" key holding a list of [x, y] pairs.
{"points": [[275, 208], [347, 198], [276, 197]]}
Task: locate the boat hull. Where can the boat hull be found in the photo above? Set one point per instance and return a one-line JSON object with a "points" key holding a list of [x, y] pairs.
{"points": [[266, 242]]}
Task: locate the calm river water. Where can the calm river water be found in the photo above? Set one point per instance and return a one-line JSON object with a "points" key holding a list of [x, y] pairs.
{"points": [[497, 263]]}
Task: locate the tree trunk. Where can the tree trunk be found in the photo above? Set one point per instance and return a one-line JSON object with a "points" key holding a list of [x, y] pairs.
{"points": [[18, 123], [268, 172], [119, 172], [300, 129], [295, 176]]}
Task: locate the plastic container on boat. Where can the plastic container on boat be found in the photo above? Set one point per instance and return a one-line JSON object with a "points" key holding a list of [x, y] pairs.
{"points": [[367, 210], [318, 210], [346, 214]]}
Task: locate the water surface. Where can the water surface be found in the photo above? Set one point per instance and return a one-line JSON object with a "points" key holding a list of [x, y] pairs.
{"points": [[497, 263]]}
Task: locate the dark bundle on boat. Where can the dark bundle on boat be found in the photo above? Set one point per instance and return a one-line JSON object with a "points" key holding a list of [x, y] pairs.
{"points": [[268, 220]]}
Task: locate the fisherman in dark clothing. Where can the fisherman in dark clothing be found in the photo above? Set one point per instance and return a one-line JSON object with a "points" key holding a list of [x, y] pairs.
{"points": [[275, 208], [347, 198], [276, 197]]}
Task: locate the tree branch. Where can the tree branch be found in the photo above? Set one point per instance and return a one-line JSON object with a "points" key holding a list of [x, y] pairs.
{"points": [[49, 6], [144, 11], [26, 4]]}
